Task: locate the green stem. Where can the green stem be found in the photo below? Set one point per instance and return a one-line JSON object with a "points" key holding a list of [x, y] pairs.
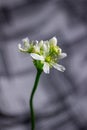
{"points": [[31, 99]]}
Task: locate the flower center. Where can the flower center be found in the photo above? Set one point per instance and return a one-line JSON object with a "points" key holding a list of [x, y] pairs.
{"points": [[48, 59]]}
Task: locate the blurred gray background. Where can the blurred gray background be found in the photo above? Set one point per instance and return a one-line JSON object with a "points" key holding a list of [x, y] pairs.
{"points": [[61, 98]]}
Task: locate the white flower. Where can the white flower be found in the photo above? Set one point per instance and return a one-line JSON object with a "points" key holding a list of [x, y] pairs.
{"points": [[26, 45], [46, 66], [37, 57], [53, 41], [45, 54]]}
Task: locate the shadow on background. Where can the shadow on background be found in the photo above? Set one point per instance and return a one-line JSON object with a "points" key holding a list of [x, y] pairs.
{"points": [[61, 99]]}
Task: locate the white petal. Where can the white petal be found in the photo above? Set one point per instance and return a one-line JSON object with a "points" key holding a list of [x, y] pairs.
{"points": [[19, 46], [60, 50], [53, 41], [46, 68], [62, 55], [37, 57], [45, 47], [36, 41], [26, 43], [37, 48], [41, 43], [58, 67], [21, 49], [25, 40]]}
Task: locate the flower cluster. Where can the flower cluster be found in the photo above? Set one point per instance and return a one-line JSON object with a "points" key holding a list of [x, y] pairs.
{"points": [[45, 54]]}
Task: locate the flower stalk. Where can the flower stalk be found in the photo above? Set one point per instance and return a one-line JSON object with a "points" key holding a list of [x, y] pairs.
{"points": [[45, 55], [31, 99]]}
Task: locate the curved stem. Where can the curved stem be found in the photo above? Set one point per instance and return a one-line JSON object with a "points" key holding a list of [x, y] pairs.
{"points": [[31, 99]]}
